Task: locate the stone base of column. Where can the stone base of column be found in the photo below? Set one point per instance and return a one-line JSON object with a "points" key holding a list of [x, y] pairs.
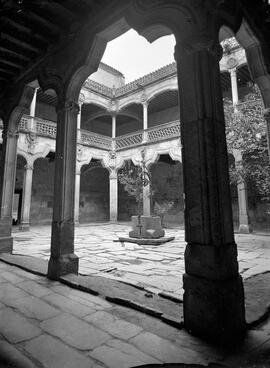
{"points": [[6, 244], [245, 229], [214, 310], [62, 265], [76, 224], [24, 227]]}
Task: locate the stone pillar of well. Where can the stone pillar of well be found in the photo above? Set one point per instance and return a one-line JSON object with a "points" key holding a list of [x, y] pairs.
{"points": [[77, 196], [146, 200], [145, 121], [63, 260], [213, 289], [7, 186], [113, 195], [26, 198], [244, 219]]}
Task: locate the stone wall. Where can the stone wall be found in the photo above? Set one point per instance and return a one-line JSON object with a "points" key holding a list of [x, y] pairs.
{"points": [[94, 194], [42, 192]]}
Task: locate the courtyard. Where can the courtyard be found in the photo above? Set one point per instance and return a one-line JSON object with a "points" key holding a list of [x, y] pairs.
{"points": [[155, 268]]}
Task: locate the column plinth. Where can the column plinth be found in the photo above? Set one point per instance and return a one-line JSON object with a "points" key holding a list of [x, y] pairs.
{"points": [[63, 260], [213, 290]]}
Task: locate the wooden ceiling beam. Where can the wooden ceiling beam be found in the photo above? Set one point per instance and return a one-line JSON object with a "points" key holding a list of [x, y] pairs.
{"points": [[11, 63], [14, 54], [46, 23], [5, 71], [20, 43], [23, 28]]}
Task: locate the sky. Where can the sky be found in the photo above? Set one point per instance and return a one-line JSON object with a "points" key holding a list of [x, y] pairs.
{"points": [[134, 56]]}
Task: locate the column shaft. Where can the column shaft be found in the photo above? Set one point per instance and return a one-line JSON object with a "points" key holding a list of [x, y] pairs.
{"points": [[213, 297], [33, 109], [145, 121], [267, 119], [113, 132], [7, 186], [26, 198], [113, 196], [63, 260], [77, 198], [79, 118]]}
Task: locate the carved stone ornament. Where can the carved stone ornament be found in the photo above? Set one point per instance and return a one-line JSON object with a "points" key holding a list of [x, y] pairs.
{"points": [[80, 152], [143, 98], [113, 174], [196, 44], [12, 133], [69, 105], [32, 141], [112, 159], [81, 98], [113, 108], [28, 167], [232, 63]]}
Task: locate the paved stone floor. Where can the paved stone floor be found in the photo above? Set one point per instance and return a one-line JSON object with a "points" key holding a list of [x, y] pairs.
{"points": [[157, 268], [45, 324]]}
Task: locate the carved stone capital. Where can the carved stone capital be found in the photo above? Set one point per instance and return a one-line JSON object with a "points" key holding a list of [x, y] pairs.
{"points": [[197, 44], [113, 175], [28, 167], [69, 105], [113, 108], [10, 133]]}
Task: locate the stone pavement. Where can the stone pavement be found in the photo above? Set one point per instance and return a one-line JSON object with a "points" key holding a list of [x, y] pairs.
{"points": [[45, 324], [157, 268]]}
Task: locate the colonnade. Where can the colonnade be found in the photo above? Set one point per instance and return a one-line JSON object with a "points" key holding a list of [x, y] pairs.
{"points": [[213, 299]]}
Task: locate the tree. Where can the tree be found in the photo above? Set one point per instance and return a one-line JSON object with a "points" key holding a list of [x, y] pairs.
{"points": [[134, 178], [246, 133]]}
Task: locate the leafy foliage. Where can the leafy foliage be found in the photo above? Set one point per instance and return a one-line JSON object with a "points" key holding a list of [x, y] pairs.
{"points": [[246, 133], [134, 178]]}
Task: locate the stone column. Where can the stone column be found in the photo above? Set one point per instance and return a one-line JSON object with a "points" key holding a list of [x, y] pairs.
{"points": [[33, 109], [113, 131], [113, 196], [233, 75], [7, 186], [63, 260], [267, 119], [77, 197], [79, 118], [244, 220], [145, 121], [213, 289], [26, 198]]}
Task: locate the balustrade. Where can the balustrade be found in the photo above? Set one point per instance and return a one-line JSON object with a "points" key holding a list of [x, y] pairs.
{"points": [[158, 133]]}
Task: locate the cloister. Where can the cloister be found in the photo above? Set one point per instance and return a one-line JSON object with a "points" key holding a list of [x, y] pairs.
{"points": [[86, 121]]}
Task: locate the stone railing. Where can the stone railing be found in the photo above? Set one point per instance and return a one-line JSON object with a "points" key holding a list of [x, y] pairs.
{"points": [[129, 140], [164, 131], [161, 132], [95, 140], [39, 126]]}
